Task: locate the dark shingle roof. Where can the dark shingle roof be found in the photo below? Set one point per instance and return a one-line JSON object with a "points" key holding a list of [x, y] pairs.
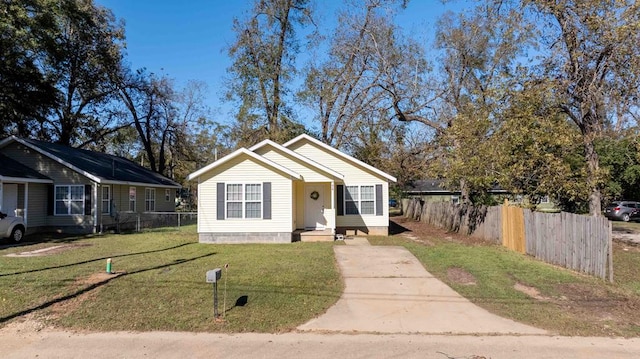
{"points": [[15, 169], [430, 185], [433, 185], [106, 167]]}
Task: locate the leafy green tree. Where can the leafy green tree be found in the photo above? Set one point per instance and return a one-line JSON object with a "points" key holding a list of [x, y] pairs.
{"points": [[27, 96], [590, 51], [537, 151], [478, 62], [58, 59]]}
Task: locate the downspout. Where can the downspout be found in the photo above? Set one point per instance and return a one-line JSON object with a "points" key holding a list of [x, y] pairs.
{"points": [[1, 194]]}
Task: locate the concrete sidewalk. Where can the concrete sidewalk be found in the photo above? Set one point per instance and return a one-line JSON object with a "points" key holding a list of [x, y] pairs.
{"points": [[387, 290]]}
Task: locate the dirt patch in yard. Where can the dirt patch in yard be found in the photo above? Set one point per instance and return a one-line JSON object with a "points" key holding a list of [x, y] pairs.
{"points": [[461, 276], [530, 291], [86, 288], [48, 251], [427, 234]]}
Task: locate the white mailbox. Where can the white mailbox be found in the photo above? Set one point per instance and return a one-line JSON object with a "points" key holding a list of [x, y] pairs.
{"points": [[213, 276]]}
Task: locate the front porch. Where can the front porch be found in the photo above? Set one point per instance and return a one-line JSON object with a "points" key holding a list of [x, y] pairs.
{"points": [[313, 235]]}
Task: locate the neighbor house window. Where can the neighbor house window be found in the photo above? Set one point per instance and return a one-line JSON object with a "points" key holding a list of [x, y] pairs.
{"points": [[167, 195], [69, 200], [132, 199], [150, 199], [360, 200], [106, 199], [455, 199], [544, 199], [244, 200]]}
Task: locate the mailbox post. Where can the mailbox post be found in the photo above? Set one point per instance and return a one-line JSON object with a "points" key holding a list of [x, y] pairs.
{"points": [[213, 276]]}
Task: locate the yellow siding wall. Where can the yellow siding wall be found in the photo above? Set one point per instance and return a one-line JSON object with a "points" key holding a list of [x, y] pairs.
{"points": [[245, 170], [353, 175]]}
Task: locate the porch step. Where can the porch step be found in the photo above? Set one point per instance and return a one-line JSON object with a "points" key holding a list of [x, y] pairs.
{"points": [[324, 235]]}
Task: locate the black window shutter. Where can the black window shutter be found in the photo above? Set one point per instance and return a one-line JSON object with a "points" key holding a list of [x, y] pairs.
{"points": [[379, 204], [87, 200], [266, 200], [340, 199], [50, 199], [220, 201]]}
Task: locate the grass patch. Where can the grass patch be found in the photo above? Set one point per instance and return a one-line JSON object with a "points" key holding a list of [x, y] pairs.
{"points": [[557, 300], [161, 284]]}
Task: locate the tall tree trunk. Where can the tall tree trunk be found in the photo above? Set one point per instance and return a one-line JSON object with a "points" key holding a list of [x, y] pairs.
{"points": [[593, 174]]}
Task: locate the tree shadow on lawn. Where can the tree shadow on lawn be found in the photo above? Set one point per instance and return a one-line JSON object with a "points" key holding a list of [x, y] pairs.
{"points": [[97, 285], [95, 260]]}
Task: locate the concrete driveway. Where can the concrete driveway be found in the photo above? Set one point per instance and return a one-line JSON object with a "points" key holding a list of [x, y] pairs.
{"points": [[389, 291]]}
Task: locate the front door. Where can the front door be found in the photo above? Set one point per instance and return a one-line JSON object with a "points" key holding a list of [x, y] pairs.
{"points": [[10, 199], [313, 207]]}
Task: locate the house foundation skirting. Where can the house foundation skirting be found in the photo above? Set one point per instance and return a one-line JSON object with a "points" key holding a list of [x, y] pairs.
{"points": [[363, 230], [245, 237]]}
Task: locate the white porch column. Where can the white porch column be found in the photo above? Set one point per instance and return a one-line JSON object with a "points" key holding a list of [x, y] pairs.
{"points": [[25, 210], [95, 207], [333, 207]]}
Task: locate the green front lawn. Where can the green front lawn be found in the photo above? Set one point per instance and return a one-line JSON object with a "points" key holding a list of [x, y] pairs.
{"points": [[160, 284]]}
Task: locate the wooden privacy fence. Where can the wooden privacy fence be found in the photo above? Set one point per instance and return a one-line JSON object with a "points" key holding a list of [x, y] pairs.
{"points": [[573, 241], [581, 243]]}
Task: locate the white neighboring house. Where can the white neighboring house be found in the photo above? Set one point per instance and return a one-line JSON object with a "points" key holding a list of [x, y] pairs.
{"points": [[303, 189]]}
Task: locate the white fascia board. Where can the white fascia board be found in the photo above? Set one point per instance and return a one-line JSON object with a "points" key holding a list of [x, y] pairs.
{"points": [[298, 156], [57, 159], [341, 154], [239, 152], [24, 180]]}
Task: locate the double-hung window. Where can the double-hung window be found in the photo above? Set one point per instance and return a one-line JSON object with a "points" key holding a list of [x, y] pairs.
{"points": [[360, 200], [106, 199], [69, 200], [244, 200], [149, 199]]}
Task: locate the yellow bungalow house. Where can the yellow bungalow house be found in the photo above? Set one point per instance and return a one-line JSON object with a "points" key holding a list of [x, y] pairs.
{"points": [[301, 190]]}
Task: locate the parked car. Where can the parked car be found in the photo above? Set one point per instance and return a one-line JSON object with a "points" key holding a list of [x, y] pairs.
{"points": [[622, 211], [11, 227]]}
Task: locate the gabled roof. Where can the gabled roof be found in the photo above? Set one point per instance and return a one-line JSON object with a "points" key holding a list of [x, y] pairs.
{"points": [[340, 154], [240, 152], [99, 167], [297, 156], [16, 171]]}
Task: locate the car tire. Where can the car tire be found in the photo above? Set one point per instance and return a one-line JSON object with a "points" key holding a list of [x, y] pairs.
{"points": [[17, 234], [625, 217]]}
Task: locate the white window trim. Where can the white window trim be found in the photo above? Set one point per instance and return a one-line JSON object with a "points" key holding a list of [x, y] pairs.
{"points": [[135, 200], [243, 201], [102, 200], [56, 200], [147, 200], [344, 199]]}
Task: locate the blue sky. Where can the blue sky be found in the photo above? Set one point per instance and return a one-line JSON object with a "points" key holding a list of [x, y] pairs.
{"points": [[188, 40]]}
